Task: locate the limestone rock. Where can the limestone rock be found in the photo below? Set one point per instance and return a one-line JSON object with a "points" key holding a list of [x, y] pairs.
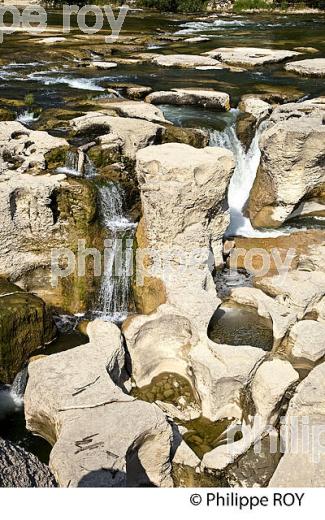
{"points": [[255, 106], [206, 98], [185, 61], [271, 380], [221, 372], [159, 343], [312, 67], [25, 325], [128, 134], [166, 341], [306, 340], [18, 468], [310, 108], [290, 170], [137, 92], [298, 291], [103, 64], [102, 436], [137, 110], [304, 422], [26, 149], [246, 128], [38, 214], [183, 199], [250, 56]]}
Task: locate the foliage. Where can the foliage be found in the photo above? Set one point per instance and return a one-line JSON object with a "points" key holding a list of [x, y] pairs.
{"points": [[174, 6], [245, 5]]}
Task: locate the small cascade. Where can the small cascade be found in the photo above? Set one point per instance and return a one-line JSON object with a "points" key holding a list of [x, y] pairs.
{"points": [[27, 117], [12, 397], [115, 287], [242, 180], [78, 164], [19, 384]]}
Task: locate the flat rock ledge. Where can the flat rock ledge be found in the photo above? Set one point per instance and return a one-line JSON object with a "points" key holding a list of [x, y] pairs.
{"points": [[101, 436], [186, 61], [312, 67], [204, 98], [250, 56]]}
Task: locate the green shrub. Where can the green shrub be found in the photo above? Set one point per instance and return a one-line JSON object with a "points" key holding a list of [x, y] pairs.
{"points": [[245, 5], [29, 100], [174, 6]]}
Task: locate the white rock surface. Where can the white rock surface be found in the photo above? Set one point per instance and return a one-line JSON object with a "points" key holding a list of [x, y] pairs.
{"points": [[303, 462], [201, 97], [298, 291], [165, 341], [291, 168], [314, 67], [183, 192], [186, 61], [251, 56], [27, 220], [102, 436], [255, 106], [129, 134], [103, 64], [138, 110], [28, 147], [307, 340], [271, 380]]}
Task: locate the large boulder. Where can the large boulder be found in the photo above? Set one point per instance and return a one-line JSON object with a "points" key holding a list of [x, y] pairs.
{"points": [[127, 134], [136, 109], [303, 462], [18, 468], [306, 341], [29, 150], [101, 436], [183, 194], [314, 107], [270, 382], [167, 341], [255, 106], [312, 67], [200, 97], [39, 214], [291, 171], [25, 325], [250, 56], [300, 292]]}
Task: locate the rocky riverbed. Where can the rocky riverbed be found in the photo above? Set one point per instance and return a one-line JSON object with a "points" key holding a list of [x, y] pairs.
{"points": [[162, 274]]}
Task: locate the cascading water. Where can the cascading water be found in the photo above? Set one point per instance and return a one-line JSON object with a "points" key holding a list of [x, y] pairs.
{"points": [[242, 180], [72, 165], [115, 287]]}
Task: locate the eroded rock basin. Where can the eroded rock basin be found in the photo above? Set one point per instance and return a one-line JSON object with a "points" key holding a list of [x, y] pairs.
{"points": [[236, 325]]}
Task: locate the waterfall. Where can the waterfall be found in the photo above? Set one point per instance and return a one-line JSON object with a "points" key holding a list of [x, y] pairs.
{"points": [[115, 286], [19, 384], [78, 164], [12, 397], [242, 180]]}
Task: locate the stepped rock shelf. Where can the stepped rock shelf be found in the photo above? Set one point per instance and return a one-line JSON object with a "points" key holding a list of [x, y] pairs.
{"points": [[188, 155]]}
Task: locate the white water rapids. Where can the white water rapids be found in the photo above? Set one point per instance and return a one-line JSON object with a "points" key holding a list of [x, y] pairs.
{"points": [[242, 180]]}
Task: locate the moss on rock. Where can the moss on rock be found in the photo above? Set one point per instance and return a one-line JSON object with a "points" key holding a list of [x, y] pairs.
{"points": [[25, 324]]}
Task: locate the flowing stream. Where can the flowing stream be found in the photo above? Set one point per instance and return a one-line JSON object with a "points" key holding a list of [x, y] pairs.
{"points": [[242, 180], [114, 293]]}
